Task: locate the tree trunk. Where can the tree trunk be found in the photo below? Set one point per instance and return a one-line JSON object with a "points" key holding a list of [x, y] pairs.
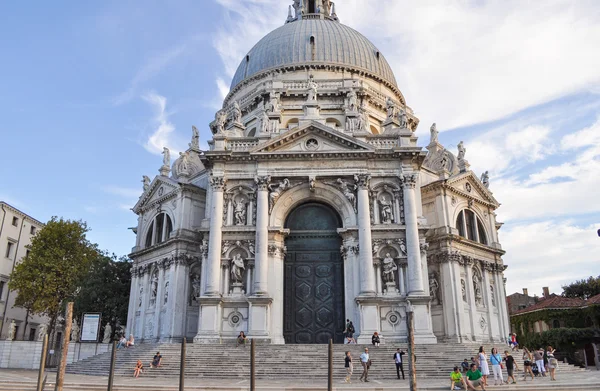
{"points": [[60, 373], [26, 323]]}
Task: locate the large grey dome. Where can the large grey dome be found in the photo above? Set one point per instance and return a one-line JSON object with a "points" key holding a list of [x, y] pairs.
{"points": [[334, 44]]}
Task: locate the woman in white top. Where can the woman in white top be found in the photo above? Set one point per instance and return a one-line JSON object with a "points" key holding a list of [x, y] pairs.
{"points": [[131, 341], [483, 365]]}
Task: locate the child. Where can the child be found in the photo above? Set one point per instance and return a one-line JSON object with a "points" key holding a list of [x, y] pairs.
{"points": [[511, 365]]}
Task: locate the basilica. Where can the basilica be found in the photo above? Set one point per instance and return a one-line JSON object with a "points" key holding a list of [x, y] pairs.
{"points": [[314, 204]]}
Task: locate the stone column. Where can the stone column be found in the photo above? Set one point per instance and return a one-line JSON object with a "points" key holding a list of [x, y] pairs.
{"points": [[262, 237], [179, 282], [226, 267], [378, 282], [470, 299], [401, 280], [276, 273], [213, 268], [145, 297], [159, 297], [132, 302], [367, 272], [415, 269]]}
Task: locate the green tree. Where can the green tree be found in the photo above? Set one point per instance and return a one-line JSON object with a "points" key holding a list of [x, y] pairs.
{"points": [[583, 289], [60, 256], [105, 289]]}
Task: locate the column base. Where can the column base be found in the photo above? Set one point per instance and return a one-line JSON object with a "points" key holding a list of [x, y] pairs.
{"points": [[258, 319], [423, 329], [209, 327]]}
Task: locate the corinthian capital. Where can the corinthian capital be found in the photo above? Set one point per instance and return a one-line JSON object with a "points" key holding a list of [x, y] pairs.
{"points": [[409, 181], [362, 181], [218, 182], [262, 182]]}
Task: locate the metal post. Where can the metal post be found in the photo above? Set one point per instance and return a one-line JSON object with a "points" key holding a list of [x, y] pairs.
{"points": [[182, 366], [330, 367], [111, 373], [62, 367], [412, 370], [40, 383], [252, 365]]}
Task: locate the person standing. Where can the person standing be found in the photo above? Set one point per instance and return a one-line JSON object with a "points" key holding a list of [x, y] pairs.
{"points": [[538, 356], [496, 361], [398, 360], [365, 362], [511, 365], [349, 367], [552, 362], [483, 365], [527, 364]]}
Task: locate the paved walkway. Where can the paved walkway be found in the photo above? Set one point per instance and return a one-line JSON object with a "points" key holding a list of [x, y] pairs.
{"points": [[25, 380]]}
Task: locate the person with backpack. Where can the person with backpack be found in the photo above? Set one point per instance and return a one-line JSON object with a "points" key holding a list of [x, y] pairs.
{"points": [[350, 333], [398, 360]]}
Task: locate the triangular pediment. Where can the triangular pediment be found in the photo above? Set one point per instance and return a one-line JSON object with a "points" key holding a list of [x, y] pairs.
{"points": [[161, 188], [467, 183], [312, 138]]}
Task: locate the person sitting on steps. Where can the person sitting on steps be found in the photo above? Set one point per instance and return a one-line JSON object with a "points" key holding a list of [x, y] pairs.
{"points": [[139, 368], [375, 339], [241, 339], [156, 361], [457, 381]]}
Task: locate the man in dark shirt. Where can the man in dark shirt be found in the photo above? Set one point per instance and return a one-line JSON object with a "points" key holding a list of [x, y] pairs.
{"points": [[511, 364], [398, 360]]}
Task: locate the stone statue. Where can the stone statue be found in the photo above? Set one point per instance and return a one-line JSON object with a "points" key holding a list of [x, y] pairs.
{"points": [[485, 179], [236, 113], [264, 122], [312, 89], [12, 330], [402, 245], [240, 212], [327, 7], [74, 331], [184, 163], [195, 138], [391, 108], [348, 191], [196, 282], [434, 133], [386, 210], [226, 246], [352, 101], [251, 247], [444, 161], [237, 269], [434, 288], [107, 333], [41, 332], [141, 297], [463, 289], [364, 117], [461, 151], [477, 290], [389, 269], [146, 182], [376, 248], [166, 299], [492, 295], [166, 157], [154, 283], [403, 119], [220, 119], [275, 192]]}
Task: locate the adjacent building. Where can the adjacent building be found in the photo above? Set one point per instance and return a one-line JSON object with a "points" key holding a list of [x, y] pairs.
{"points": [[16, 231], [314, 204]]}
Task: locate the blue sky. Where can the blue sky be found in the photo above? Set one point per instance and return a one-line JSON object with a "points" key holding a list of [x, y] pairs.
{"points": [[92, 91]]}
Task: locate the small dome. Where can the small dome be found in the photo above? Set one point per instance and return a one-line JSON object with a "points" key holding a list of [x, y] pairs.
{"points": [[334, 44]]}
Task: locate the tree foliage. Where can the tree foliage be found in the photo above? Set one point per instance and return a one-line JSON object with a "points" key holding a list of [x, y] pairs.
{"points": [[583, 289], [60, 256], [105, 289]]}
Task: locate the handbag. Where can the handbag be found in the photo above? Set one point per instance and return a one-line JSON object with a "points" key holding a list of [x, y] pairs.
{"points": [[369, 363]]}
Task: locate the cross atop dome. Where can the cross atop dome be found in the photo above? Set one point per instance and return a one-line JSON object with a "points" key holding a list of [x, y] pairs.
{"points": [[311, 9]]}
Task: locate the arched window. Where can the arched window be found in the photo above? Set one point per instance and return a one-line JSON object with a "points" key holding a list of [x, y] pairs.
{"points": [[556, 324], [159, 230], [470, 226]]}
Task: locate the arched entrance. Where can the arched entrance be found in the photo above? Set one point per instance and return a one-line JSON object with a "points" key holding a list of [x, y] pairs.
{"points": [[314, 276]]}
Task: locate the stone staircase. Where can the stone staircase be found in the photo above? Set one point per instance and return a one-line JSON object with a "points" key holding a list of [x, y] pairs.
{"points": [[280, 361]]}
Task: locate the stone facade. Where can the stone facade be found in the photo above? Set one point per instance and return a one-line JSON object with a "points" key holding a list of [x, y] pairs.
{"points": [[211, 257]]}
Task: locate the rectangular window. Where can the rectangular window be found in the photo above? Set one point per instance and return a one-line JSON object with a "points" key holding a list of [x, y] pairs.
{"points": [[32, 334], [470, 217], [32, 230], [15, 221], [9, 249], [2, 283]]}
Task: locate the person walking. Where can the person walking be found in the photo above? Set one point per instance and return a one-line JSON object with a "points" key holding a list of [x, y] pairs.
{"points": [[527, 361], [511, 365], [349, 367], [552, 362], [483, 365], [398, 360], [375, 339], [496, 361], [365, 362], [538, 356]]}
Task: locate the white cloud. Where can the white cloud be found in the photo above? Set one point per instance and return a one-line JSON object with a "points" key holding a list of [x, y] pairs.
{"points": [[550, 254], [164, 131]]}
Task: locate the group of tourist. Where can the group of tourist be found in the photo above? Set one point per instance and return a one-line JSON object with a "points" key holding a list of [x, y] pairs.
{"points": [[477, 371]]}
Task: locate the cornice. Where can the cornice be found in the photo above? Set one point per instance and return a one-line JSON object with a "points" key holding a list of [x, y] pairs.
{"points": [[466, 242], [22, 214], [167, 243]]}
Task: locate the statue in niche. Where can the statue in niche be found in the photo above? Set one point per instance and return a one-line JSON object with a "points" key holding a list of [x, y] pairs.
{"points": [[461, 151], [236, 113], [184, 163], [434, 133], [463, 289], [493, 296], [12, 330], [146, 182], [402, 245], [74, 331], [434, 288], [312, 89], [166, 299], [348, 190], [352, 101], [264, 122], [237, 269], [240, 212], [107, 333], [364, 117], [390, 107], [276, 190], [154, 287], [195, 138], [485, 179], [195, 292], [403, 119], [389, 269], [220, 119], [386, 212], [166, 157], [141, 297], [477, 290], [376, 248], [273, 104], [41, 332]]}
